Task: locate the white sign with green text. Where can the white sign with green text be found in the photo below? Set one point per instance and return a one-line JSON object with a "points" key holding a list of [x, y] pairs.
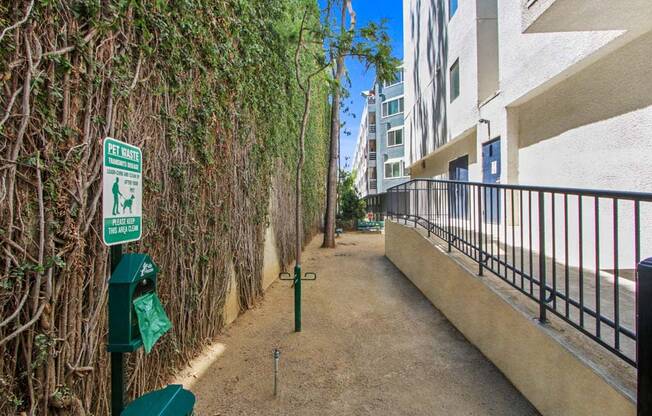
{"points": [[122, 195]]}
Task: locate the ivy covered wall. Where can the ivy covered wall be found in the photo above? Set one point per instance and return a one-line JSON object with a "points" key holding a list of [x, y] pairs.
{"points": [[207, 89]]}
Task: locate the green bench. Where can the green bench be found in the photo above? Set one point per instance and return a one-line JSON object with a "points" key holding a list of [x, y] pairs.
{"points": [[363, 225]]}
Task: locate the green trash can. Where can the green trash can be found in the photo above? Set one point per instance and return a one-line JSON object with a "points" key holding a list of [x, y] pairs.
{"points": [[173, 400]]}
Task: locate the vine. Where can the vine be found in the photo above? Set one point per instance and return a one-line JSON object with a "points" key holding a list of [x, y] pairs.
{"points": [[206, 88]]}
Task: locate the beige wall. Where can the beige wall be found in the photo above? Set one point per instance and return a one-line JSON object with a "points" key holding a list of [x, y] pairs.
{"points": [[271, 269], [271, 263], [232, 304], [550, 376]]}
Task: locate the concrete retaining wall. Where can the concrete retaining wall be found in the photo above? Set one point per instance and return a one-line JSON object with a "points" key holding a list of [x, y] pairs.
{"points": [[552, 378], [271, 269]]}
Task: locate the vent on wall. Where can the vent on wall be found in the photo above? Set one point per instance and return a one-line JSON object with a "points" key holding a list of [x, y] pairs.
{"points": [[385, 158]]}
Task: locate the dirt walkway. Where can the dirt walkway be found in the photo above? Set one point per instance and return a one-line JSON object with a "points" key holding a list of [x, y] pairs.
{"points": [[371, 345]]}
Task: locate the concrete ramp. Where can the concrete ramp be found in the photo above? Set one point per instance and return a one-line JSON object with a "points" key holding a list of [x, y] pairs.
{"points": [[554, 375]]}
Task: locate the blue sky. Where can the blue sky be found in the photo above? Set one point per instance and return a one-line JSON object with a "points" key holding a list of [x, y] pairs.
{"points": [[366, 11]]}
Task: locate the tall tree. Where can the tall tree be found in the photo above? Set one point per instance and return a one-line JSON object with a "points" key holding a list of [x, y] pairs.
{"points": [[371, 45], [331, 184], [305, 39]]}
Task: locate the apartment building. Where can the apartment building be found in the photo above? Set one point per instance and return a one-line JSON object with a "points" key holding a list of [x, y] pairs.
{"points": [[531, 92], [380, 151], [361, 161]]}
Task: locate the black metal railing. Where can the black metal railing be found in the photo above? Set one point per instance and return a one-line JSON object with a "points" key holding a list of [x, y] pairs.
{"points": [[377, 204], [573, 251]]}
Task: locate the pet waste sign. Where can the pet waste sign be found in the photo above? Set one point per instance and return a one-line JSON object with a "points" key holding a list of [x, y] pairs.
{"points": [[122, 194]]}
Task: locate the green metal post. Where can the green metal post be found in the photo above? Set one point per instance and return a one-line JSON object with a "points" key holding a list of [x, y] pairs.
{"points": [[297, 298], [117, 358], [117, 383]]}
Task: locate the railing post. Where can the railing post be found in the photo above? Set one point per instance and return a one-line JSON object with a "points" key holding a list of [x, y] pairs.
{"points": [[406, 200], [428, 196], [450, 216], [404, 210], [644, 337], [542, 258], [394, 203], [479, 222], [416, 203]]}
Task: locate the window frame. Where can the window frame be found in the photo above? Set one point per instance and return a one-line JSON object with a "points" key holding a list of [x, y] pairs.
{"points": [[393, 130], [456, 67], [382, 107], [393, 162]]}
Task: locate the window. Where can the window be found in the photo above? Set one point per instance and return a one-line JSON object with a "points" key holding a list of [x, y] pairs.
{"points": [[393, 107], [395, 137], [393, 169], [372, 118], [398, 78], [452, 8], [455, 80]]}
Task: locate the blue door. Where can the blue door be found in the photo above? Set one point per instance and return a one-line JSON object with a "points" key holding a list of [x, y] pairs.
{"points": [[458, 170], [491, 174]]}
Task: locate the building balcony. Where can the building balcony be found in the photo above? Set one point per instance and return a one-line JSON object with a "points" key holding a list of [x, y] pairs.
{"points": [[585, 15]]}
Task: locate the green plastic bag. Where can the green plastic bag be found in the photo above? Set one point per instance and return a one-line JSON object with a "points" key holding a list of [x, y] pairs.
{"points": [[152, 320]]}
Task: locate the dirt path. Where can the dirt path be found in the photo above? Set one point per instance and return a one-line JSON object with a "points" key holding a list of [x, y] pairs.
{"points": [[371, 345]]}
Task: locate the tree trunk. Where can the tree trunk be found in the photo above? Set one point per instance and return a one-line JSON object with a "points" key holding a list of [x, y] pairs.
{"points": [[331, 183]]}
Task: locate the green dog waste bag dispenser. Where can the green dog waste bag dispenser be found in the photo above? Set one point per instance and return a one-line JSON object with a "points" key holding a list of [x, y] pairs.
{"points": [[136, 316]]}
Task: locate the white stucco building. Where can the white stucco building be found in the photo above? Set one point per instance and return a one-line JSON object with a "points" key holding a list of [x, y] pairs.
{"points": [[361, 157], [531, 92], [558, 97]]}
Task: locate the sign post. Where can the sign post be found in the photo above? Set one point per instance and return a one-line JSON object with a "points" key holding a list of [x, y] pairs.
{"points": [[118, 393], [122, 214]]}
